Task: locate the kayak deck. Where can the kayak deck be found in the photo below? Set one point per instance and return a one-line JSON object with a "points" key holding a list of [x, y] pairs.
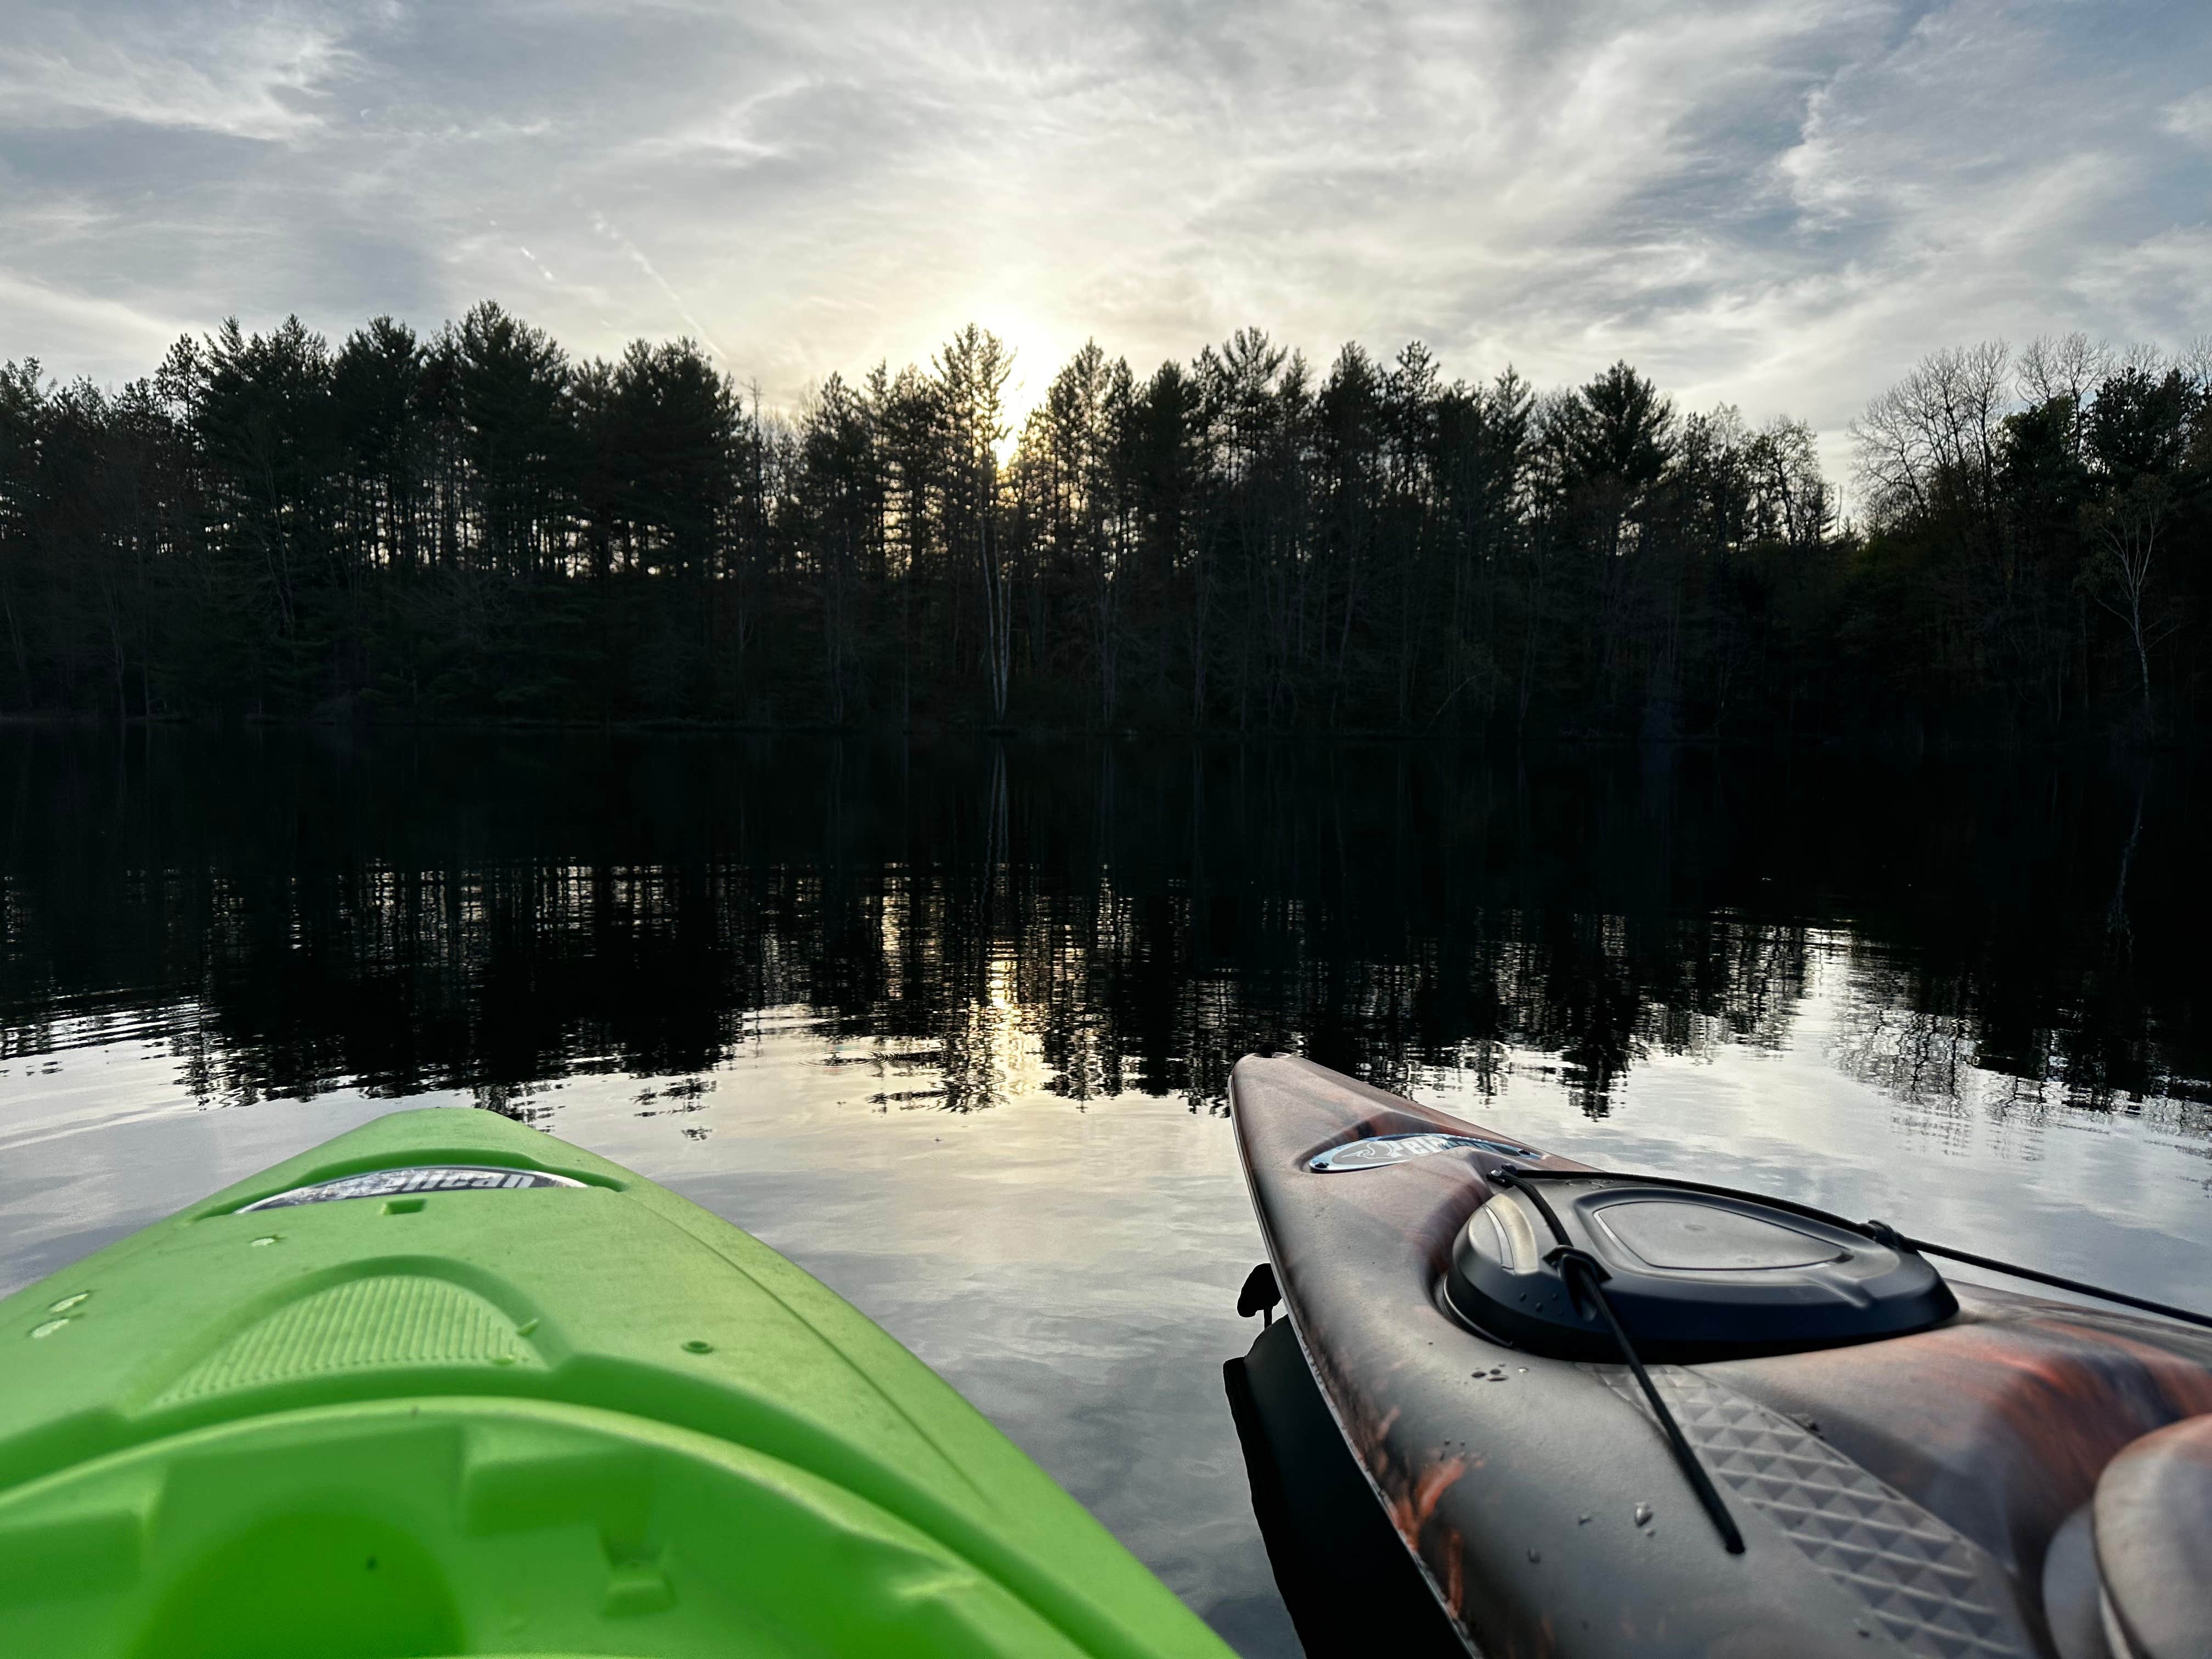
{"points": [[576, 1415], [1894, 1495]]}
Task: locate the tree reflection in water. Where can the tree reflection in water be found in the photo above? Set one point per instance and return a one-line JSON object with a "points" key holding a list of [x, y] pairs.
{"points": [[970, 921]]}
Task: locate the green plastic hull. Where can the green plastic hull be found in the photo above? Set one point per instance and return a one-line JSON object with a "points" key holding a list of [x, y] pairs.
{"points": [[572, 1419]]}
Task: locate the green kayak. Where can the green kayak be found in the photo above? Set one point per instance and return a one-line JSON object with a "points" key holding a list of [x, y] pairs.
{"points": [[445, 1385]]}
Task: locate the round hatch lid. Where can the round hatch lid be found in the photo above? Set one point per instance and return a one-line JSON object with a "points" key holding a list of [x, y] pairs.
{"points": [[1691, 1275]]}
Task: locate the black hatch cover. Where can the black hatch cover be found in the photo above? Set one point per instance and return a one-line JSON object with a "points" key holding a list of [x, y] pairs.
{"points": [[1691, 1275]]}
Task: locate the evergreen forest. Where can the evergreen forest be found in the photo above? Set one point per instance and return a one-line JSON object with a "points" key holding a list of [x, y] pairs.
{"points": [[476, 525]]}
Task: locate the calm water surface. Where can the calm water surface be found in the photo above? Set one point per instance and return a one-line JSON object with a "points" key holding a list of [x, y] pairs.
{"points": [[950, 1025]]}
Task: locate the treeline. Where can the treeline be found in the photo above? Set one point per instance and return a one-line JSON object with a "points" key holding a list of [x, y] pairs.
{"points": [[474, 525]]}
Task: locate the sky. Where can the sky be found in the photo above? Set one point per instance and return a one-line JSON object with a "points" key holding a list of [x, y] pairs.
{"points": [[1776, 203]]}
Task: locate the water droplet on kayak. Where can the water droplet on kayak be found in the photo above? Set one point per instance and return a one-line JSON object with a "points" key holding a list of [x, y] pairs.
{"points": [[1643, 1515], [267, 1238], [502, 1360], [68, 1302], [526, 1328], [694, 1346], [47, 1329], [1582, 1520], [1535, 1555]]}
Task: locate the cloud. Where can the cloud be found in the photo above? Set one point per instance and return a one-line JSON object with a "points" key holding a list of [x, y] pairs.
{"points": [[1777, 204], [2144, 286], [35, 312], [2191, 117], [258, 77]]}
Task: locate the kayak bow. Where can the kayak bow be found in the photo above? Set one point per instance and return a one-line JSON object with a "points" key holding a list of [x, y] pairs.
{"points": [[1607, 1414], [447, 1385]]}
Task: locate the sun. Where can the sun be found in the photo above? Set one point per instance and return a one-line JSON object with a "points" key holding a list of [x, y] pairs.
{"points": [[1037, 354], [1038, 350]]}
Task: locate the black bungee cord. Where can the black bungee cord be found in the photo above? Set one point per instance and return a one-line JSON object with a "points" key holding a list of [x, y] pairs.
{"points": [[1588, 1276]]}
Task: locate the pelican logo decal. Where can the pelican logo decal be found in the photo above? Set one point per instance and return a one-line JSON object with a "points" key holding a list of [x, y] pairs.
{"points": [[1379, 1151], [414, 1179]]}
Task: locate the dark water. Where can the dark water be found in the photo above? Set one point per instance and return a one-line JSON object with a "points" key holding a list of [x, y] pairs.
{"points": [[951, 1025]]}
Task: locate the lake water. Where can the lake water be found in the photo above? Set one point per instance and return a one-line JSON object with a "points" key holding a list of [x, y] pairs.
{"points": [[950, 1025]]}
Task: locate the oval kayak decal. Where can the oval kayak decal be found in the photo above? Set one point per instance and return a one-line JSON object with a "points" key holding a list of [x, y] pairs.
{"points": [[414, 1178], [1379, 1151]]}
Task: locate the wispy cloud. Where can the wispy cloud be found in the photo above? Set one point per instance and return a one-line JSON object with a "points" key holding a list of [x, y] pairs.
{"points": [[33, 309], [259, 77], [2191, 117], [636, 255]]}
